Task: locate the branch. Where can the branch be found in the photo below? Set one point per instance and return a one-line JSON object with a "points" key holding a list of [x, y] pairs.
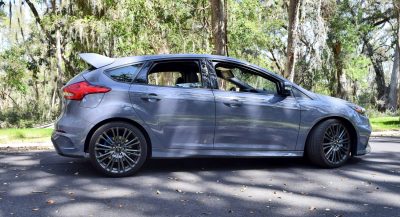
{"points": [[38, 20], [68, 63], [382, 21], [276, 62], [385, 17], [16, 104], [35, 13]]}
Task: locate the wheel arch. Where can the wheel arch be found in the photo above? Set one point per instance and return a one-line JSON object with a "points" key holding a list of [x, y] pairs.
{"points": [[349, 125], [118, 119]]}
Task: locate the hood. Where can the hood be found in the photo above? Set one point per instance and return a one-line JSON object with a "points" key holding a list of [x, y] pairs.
{"points": [[331, 99]]}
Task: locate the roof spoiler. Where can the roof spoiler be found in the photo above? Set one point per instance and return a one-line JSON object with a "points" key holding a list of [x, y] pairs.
{"points": [[96, 60]]}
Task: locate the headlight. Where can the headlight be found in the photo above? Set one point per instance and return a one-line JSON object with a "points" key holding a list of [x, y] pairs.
{"points": [[358, 109]]}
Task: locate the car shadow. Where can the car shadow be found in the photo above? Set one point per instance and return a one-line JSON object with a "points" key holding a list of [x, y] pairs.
{"points": [[71, 167]]}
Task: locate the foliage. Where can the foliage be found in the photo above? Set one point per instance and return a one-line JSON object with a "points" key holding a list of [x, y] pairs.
{"points": [[26, 117], [39, 54], [13, 67]]}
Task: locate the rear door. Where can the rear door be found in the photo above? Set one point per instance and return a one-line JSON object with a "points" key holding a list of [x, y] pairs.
{"points": [[174, 99]]}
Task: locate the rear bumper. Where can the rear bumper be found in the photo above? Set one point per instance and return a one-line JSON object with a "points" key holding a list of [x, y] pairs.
{"points": [[65, 146], [70, 132]]}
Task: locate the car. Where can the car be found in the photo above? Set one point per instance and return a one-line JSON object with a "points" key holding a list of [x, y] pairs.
{"points": [[123, 111]]}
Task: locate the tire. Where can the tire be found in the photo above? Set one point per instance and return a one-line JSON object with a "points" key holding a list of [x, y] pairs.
{"points": [[329, 144], [118, 149]]}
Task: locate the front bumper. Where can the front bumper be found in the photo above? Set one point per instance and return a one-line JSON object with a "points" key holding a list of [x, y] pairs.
{"points": [[65, 147], [364, 151], [364, 132]]}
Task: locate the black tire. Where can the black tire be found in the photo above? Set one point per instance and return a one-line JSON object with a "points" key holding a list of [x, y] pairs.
{"points": [[326, 149], [124, 146]]}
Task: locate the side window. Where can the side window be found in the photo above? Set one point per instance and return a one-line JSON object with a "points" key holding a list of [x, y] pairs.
{"points": [[234, 78], [184, 74], [124, 74], [163, 78], [298, 94]]}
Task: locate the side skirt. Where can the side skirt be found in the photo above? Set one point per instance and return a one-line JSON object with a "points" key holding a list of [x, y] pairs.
{"points": [[184, 153]]}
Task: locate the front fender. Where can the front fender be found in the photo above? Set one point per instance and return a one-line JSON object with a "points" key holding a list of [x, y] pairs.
{"points": [[314, 111]]}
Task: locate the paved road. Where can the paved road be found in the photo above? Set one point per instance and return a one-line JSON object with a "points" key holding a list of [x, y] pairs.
{"points": [[45, 184]]}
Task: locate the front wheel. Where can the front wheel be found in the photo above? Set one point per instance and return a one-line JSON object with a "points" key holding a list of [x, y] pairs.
{"points": [[118, 149], [329, 144]]}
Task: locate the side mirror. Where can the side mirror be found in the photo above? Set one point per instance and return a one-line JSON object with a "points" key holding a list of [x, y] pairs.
{"points": [[287, 88]]}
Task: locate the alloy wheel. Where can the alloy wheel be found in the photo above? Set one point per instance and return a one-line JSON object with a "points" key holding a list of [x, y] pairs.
{"points": [[117, 150], [336, 143]]}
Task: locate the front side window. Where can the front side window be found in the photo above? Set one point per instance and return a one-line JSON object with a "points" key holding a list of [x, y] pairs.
{"points": [[184, 74], [238, 79], [124, 74], [298, 94]]}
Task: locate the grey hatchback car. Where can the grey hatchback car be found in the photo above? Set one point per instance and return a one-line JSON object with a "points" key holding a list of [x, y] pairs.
{"points": [[122, 111]]}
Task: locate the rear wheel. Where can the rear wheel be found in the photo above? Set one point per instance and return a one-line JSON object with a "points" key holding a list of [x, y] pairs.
{"points": [[118, 149], [329, 144]]}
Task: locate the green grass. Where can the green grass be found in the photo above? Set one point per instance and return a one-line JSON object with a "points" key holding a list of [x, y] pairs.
{"points": [[25, 135], [385, 123], [43, 135]]}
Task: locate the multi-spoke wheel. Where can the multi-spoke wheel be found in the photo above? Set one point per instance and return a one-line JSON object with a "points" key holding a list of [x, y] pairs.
{"points": [[118, 149], [329, 144]]}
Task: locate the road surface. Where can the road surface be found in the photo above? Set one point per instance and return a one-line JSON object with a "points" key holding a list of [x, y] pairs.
{"points": [[41, 183]]}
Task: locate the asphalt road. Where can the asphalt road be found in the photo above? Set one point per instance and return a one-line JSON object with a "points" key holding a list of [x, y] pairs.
{"points": [[45, 184]]}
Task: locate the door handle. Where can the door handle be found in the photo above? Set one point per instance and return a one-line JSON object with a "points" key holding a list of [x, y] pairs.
{"points": [[151, 97], [233, 103]]}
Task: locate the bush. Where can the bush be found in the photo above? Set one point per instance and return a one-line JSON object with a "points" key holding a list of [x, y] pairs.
{"points": [[372, 113], [24, 117]]}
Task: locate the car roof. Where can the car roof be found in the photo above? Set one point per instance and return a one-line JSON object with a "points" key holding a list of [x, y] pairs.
{"points": [[122, 60], [94, 59], [132, 59]]}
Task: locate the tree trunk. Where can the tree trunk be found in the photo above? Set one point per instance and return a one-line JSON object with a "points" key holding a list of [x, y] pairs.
{"points": [[394, 79], [338, 60], [379, 73], [394, 82], [293, 12], [59, 67], [218, 25]]}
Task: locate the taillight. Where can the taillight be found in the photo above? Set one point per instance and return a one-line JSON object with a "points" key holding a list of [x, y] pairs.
{"points": [[79, 90]]}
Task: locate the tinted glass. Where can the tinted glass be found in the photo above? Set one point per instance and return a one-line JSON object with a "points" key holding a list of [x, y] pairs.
{"points": [[299, 94], [124, 74]]}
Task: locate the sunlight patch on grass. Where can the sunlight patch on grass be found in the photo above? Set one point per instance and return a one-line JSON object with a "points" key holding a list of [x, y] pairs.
{"points": [[385, 123], [25, 135]]}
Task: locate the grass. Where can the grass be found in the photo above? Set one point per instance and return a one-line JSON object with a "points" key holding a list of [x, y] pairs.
{"points": [[43, 135], [385, 123], [12, 135]]}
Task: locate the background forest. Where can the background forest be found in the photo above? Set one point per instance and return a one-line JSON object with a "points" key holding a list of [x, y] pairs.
{"points": [[343, 48]]}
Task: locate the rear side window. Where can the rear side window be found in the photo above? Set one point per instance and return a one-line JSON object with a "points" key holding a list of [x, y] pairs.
{"points": [[184, 74], [124, 74]]}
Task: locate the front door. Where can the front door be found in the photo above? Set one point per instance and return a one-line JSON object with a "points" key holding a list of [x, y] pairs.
{"points": [[176, 104], [250, 112]]}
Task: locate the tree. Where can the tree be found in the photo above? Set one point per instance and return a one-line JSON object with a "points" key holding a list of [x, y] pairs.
{"points": [[293, 12], [375, 18], [331, 47], [394, 80], [219, 26]]}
